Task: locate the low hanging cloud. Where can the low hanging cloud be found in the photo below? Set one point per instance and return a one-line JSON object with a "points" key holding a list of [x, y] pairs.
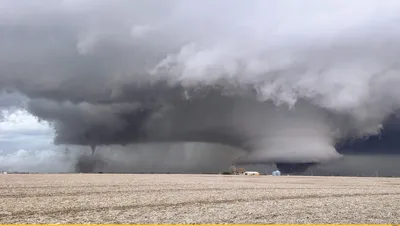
{"points": [[283, 80]]}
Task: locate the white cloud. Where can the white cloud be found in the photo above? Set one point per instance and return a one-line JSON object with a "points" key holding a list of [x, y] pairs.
{"points": [[21, 122], [21, 130]]}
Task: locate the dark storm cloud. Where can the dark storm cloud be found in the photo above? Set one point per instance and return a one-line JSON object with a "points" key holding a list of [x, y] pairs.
{"points": [[10, 102], [281, 79]]}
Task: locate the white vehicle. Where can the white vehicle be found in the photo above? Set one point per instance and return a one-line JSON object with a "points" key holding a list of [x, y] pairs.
{"points": [[251, 173]]}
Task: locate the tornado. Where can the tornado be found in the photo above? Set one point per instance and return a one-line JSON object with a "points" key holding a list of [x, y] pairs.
{"points": [[93, 148]]}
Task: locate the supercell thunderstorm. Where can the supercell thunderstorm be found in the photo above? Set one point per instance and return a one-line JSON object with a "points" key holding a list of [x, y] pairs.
{"points": [[283, 80]]}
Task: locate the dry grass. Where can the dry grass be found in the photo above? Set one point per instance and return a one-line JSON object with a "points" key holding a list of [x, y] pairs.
{"points": [[103, 198]]}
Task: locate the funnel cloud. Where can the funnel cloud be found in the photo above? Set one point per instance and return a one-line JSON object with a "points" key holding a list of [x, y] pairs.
{"points": [[282, 80]]}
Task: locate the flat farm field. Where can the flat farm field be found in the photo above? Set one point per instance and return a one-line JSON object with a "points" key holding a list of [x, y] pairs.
{"points": [[130, 198]]}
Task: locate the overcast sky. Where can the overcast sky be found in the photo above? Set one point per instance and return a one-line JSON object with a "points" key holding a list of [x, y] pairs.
{"points": [[81, 64]]}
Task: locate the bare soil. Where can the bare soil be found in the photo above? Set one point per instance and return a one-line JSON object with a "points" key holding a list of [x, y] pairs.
{"points": [[127, 198]]}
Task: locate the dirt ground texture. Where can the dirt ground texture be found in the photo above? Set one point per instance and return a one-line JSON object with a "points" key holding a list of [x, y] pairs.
{"points": [[129, 198]]}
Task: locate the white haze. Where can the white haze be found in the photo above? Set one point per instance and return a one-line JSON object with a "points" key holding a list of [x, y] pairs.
{"points": [[41, 161]]}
